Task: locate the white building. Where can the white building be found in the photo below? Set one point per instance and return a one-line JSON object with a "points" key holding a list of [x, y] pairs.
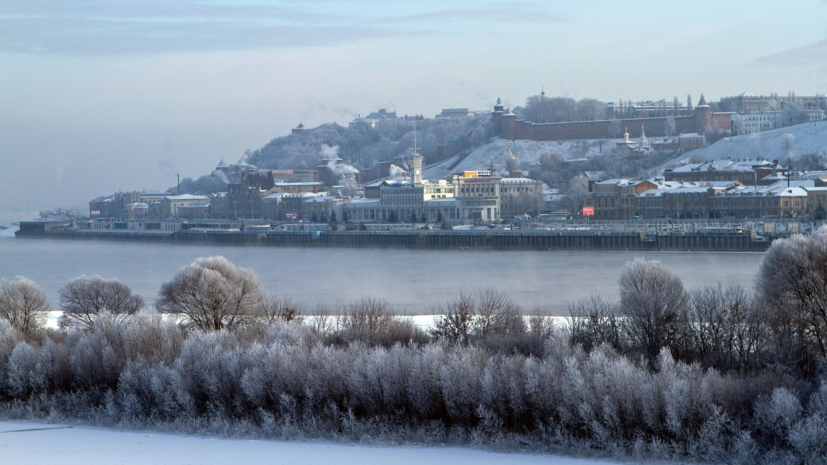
{"points": [[748, 123]]}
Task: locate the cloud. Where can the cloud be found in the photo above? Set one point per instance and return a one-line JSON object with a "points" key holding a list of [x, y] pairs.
{"points": [[814, 54], [496, 12], [97, 27]]}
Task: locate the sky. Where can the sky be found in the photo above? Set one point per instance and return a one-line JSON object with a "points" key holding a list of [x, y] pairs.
{"points": [[104, 95]]}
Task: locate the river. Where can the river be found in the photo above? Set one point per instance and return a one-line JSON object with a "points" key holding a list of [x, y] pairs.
{"points": [[416, 281]]}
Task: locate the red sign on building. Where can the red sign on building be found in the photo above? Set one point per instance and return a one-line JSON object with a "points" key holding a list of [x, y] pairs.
{"points": [[588, 211]]}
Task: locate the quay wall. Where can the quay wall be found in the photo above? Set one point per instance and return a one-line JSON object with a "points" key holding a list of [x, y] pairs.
{"points": [[541, 240]]}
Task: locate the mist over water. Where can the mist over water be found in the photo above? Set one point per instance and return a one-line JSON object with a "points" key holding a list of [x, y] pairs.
{"points": [[416, 281]]}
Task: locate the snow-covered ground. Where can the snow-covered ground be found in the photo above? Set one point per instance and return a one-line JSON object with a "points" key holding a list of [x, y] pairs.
{"points": [[767, 145], [39, 443], [524, 150]]}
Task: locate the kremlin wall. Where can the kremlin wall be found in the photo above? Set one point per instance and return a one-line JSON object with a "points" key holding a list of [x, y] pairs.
{"points": [[507, 126]]}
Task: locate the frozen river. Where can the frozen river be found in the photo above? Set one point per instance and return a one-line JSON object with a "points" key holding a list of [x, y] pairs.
{"points": [[417, 281]]}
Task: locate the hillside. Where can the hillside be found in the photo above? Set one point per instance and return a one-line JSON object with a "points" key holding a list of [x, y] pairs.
{"points": [[364, 144], [810, 138], [525, 151]]}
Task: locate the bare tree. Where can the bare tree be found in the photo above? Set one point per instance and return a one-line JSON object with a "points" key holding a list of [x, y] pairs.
{"points": [[212, 294], [594, 321], [589, 109], [517, 203], [364, 319], [725, 328], [279, 309], [83, 298], [456, 324], [496, 313], [576, 191], [23, 304], [652, 300]]}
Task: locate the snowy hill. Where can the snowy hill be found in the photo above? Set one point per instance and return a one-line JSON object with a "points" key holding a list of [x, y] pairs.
{"points": [[524, 150], [768, 145]]}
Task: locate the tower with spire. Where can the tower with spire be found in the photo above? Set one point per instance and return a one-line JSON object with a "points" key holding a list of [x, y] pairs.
{"points": [[644, 143], [416, 163]]}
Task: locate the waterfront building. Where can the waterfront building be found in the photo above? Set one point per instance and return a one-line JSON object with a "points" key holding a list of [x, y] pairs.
{"points": [[747, 172], [170, 204]]}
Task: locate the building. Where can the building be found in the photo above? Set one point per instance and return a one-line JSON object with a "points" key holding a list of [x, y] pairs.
{"points": [[479, 195], [748, 123], [170, 204], [298, 129], [456, 113], [747, 172], [765, 103], [239, 202], [299, 187], [194, 211], [660, 199], [615, 198], [520, 186]]}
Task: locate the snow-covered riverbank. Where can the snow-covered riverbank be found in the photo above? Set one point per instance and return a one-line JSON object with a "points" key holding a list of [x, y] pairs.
{"points": [[23, 442]]}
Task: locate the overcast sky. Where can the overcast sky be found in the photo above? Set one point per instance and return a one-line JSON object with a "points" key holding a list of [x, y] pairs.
{"points": [[102, 95]]}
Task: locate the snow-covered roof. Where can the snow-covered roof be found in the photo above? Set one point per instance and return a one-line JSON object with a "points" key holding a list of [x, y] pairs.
{"points": [[517, 181], [222, 164], [618, 182], [187, 197], [298, 184], [319, 198], [794, 192], [723, 165]]}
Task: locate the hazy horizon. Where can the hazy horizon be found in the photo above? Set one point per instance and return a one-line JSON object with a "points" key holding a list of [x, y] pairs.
{"points": [[100, 96]]}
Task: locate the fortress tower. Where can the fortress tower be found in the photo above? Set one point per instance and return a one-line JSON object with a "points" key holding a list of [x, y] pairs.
{"points": [[703, 116]]}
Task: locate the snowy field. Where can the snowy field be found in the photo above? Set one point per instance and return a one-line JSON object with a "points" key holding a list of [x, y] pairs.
{"points": [[39, 443], [768, 145]]}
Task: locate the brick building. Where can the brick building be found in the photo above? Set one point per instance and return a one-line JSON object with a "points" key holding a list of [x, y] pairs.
{"points": [[747, 172]]}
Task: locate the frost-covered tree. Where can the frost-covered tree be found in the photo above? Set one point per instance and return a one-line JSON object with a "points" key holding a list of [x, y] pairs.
{"points": [[787, 143], [652, 300], [211, 294], [792, 279], [669, 126], [83, 299], [23, 304], [792, 114]]}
